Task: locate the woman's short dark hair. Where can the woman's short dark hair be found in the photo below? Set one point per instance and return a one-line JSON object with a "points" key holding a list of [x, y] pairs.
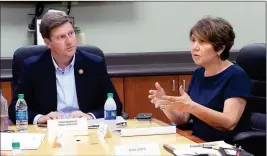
{"points": [[216, 31], [51, 20]]}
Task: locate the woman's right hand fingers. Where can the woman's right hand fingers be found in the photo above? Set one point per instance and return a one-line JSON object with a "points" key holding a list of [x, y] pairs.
{"points": [[150, 96], [156, 94], [159, 88], [152, 92]]}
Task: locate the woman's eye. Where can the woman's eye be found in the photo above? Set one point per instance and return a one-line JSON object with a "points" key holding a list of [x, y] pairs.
{"points": [[201, 41]]}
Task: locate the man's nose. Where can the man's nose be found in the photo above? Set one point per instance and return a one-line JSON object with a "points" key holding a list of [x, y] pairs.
{"points": [[68, 40]]}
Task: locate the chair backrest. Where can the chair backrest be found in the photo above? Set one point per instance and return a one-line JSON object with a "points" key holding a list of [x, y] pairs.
{"points": [[27, 51], [252, 58]]}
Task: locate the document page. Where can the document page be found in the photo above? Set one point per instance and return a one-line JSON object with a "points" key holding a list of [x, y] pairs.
{"points": [[193, 149], [27, 140]]}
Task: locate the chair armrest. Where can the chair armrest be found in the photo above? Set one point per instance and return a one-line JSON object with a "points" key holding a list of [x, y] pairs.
{"points": [[253, 142], [258, 121], [249, 135]]}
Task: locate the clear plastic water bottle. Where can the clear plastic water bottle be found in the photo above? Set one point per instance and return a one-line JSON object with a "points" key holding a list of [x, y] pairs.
{"points": [[16, 148], [3, 113], [21, 114], [110, 112]]}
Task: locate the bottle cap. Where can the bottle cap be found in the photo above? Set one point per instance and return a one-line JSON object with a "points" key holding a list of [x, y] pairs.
{"points": [[110, 95], [21, 96], [15, 144]]}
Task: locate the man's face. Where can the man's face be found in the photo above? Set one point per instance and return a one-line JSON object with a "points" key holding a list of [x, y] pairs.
{"points": [[62, 40]]}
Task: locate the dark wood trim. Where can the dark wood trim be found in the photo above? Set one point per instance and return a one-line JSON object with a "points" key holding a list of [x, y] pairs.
{"points": [[136, 64], [187, 134], [144, 58], [134, 70]]}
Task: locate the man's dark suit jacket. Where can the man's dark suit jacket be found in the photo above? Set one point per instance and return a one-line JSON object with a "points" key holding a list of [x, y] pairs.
{"points": [[38, 84]]}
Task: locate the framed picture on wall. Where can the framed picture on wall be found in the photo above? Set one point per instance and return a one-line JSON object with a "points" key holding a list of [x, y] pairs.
{"points": [[38, 39]]}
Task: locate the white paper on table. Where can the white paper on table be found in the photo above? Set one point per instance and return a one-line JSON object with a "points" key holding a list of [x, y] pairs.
{"points": [[147, 131], [96, 122], [185, 149], [27, 140]]}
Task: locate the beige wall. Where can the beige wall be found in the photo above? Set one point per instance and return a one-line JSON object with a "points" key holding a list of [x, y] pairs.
{"points": [[118, 27]]}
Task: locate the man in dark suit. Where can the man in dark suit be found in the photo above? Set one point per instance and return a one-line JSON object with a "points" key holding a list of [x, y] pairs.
{"points": [[63, 81]]}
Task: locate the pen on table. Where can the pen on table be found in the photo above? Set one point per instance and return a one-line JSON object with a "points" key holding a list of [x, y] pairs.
{"points": [[93, 126], [203, 145], [8, 131], [169, 148], [218, 148]]}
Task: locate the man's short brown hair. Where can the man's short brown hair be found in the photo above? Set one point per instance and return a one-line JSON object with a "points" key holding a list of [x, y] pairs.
{"points": [[216, 31], [51, 20]]}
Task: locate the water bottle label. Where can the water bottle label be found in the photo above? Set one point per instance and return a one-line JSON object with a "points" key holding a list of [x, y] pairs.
{"points": [[22, 115], [110, 114]]}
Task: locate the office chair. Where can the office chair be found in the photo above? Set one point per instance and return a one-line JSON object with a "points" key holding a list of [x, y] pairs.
{"points": [[25, 52], [252, 58]]}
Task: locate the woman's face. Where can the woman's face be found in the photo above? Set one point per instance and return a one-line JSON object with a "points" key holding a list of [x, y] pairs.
{"points": [[202, 52]]}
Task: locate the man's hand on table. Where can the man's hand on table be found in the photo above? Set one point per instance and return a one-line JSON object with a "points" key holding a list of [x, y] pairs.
{"points": [[80, 114], [58, 115], [51, 115]]}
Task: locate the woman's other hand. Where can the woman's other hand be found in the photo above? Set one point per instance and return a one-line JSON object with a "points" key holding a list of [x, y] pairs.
{"points": [[156, 95], [181, 103]]}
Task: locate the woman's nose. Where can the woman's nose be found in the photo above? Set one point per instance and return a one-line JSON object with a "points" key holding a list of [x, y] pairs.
{"points": [[195, 45]]}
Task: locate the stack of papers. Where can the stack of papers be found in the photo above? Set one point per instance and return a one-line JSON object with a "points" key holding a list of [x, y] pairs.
{"points": [[27, 140], [147, 131], [194, 149]]}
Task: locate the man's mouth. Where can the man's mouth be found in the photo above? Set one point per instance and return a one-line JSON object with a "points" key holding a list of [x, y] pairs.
{"points": [[70, 48]]}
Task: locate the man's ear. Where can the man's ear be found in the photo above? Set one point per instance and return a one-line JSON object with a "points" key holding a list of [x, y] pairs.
{"points": [[47, 42]]}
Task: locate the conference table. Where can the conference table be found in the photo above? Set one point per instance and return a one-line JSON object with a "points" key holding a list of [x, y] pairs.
{"points": [[91, 145]]}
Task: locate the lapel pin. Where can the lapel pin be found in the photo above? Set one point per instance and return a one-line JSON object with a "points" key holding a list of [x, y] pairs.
{"points": [[80, 71]]}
